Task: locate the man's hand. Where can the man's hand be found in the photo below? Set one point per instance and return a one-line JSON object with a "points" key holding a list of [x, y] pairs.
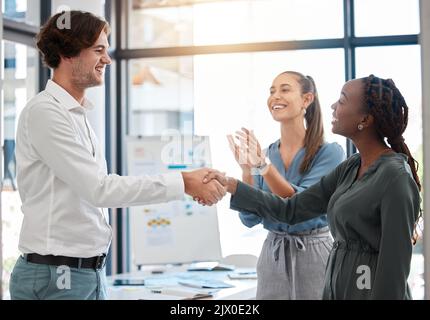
{"points": [[208, 193], [227, 182], [216, 175]]}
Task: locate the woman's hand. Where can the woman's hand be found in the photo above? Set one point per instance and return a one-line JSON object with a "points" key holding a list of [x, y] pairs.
{"points": [[229, 183], [239, 155], [248, 152]]}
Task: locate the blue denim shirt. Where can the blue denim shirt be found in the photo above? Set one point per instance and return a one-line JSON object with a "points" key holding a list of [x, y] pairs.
{"points": [[329, 156]]}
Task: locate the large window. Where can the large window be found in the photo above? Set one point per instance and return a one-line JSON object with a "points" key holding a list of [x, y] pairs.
{"points": [[25, 11], [233, 21], [231, 92], [386, 17], [161, 95], [226, 92]]}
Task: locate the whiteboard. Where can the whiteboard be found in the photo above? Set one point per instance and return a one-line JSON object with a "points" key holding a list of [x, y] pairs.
{"points": [[178, 231]]}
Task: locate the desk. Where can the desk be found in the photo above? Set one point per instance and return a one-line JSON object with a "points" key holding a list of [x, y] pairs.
{"points": [[242, 290]]}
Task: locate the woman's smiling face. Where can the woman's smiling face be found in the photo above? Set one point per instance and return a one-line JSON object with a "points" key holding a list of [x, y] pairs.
{"points": [[348, 111], [286, 100]]}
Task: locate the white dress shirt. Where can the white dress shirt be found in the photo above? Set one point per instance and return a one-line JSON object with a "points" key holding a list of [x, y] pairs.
{"points": [[63, 180]]}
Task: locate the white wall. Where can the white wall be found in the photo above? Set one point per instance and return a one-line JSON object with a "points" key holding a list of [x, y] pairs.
{"points": [[96, 95], [425, 59]]}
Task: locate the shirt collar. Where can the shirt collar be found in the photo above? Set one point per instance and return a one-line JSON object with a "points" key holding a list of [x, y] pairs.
{"points": [[65, 99], [382, 159]]}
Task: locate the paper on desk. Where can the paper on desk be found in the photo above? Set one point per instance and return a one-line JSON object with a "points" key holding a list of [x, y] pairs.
{"points": [[178, 293], [209, 284], [161, 297], [210, 266], [243, 275]]}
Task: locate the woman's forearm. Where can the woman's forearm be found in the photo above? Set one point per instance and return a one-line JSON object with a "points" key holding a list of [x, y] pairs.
{"points": [[277, 183], [301, 207], [247, 178]]}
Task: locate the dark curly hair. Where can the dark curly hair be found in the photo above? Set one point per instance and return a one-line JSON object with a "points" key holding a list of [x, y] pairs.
{"points": [[387, 105], [56, 40]]}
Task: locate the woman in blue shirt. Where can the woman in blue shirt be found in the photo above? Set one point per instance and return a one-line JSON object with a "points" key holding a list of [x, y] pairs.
{"points": [[293, 258]]}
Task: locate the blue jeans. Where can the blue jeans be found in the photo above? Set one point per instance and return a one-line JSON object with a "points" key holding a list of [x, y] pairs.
{"points": [[30, 281]]}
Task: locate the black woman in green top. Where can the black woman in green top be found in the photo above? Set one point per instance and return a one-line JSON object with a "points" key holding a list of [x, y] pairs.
{"points": [[372, 199]]}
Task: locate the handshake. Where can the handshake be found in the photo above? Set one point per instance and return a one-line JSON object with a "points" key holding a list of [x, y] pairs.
{"points": [[208, 186]]}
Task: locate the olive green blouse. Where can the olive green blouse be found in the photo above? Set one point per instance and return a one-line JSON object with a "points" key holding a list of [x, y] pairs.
{"points": [[371, 219]]}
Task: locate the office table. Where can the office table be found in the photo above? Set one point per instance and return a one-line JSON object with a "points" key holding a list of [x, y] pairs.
{"points": [[242, 289]]}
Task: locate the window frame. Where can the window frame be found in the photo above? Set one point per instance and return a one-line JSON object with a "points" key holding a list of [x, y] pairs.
{"points": [[23, 33]]}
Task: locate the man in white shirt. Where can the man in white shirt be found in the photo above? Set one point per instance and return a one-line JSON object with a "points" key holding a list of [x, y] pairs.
{"points": [[62, 174]]}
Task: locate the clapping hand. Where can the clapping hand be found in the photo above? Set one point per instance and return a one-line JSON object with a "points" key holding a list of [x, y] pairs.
{"points": [[247, 151]]}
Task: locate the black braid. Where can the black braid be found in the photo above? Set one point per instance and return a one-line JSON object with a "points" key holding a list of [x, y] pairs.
{"points": [[387, 105], [389, 108]]}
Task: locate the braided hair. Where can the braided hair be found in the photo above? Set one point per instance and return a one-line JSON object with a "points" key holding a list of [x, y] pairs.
{"points": [[387, 105]]}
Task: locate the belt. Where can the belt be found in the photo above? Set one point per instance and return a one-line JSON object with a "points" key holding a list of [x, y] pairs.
{"points": [[89, 263]]}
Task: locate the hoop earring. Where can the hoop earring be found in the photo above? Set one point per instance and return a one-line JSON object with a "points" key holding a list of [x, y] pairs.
{"points": [[360, 127]]}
